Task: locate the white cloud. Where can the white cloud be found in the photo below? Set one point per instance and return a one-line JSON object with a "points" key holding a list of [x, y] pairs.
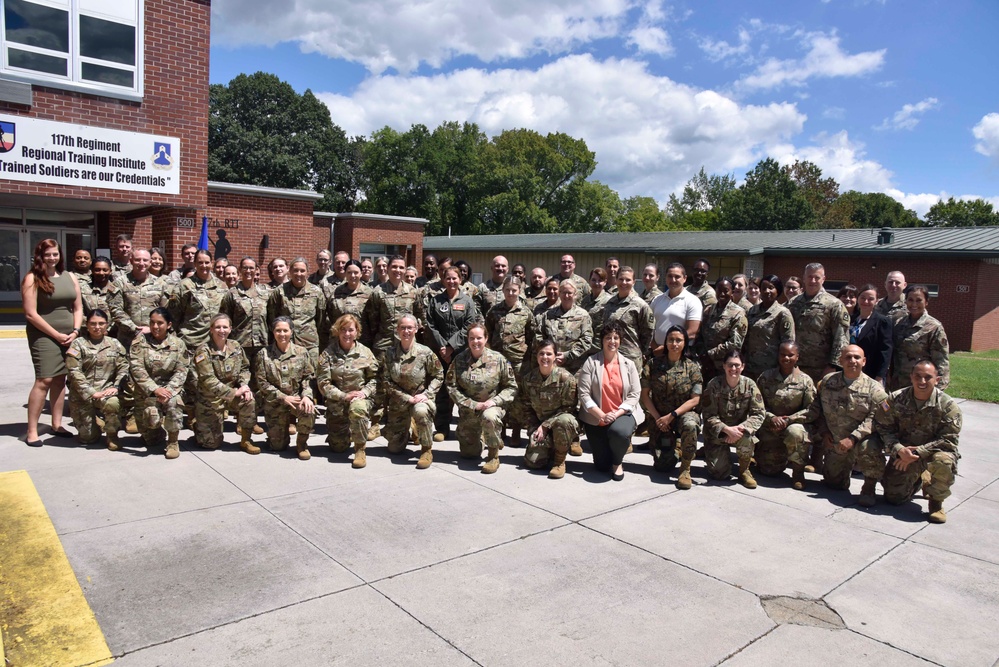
{"points": [[923, 202], [650, 133], [648, 36], [906, 118], [842, 159], [987, 134], [825, 58], [834, 113], [722, 50], [401, 34]]}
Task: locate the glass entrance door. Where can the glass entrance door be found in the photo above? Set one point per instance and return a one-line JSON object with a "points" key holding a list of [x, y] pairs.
{"points": [[10, 263]]}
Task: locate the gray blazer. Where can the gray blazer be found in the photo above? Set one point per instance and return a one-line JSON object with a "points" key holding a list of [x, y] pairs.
{"points": [[590, 377]]}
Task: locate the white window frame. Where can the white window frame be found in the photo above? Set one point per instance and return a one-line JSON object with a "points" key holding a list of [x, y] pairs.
{"points": [[75, 80]]}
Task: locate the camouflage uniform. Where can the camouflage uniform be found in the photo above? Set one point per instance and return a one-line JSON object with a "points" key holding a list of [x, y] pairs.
{"points": [[594, 305], [549, 402], [533, 296], [220, 374], [247, 311], [93, 367], [649, 294], [404, 375], [638, 322], [723, 406], [582, 286], [132, 303], [196, 303], [723, 331], [470, 381], [745, 304], [339, 374], [490, 294], [783, 397], [894, 311], [706, 294], [571, 331], [320, 280], [340, 301], [388, 303], [933, 429], [767, 329], [307, 309], [924, 338], [508, 329], [97, 297], [671, 385], [281, 374], [822, 329], [841, 410], [156, 364]]}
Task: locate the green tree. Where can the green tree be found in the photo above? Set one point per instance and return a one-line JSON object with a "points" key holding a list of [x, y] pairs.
{"points": [[398, 175], [261, 132], [769, 199], [822, 194], [876, 209], [642, 214], [699, 205], [962, 213]]}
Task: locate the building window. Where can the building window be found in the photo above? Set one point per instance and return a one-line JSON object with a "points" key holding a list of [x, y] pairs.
{"points": [[90, 45]]}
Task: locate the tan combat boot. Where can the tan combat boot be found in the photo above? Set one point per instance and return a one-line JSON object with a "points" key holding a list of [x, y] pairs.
{"points": [[172, 447], [113, 441], [558, 464], [798, 477], [245, 444], [426, 458], [257, 430], [866, 498], [516, 440], [360, 458], [130, 426], [292, 429], [746, 477], [683, 482], [816, 459], [302, 444], [936, 510], [492, 463], [576, 449], [374, 431]]}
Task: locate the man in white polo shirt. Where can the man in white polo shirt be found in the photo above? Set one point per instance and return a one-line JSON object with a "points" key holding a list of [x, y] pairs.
{"points": [[677, 306]]}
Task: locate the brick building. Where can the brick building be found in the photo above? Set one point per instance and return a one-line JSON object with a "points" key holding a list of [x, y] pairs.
{"points": [[959, 265], [104, 130]]}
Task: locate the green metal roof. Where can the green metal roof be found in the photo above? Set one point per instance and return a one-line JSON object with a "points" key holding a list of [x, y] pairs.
{"points": [[964, 241]]}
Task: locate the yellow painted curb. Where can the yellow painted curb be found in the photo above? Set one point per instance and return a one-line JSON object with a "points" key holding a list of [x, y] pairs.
{"points": [[16, 310], [13, 333], [44, 618]]}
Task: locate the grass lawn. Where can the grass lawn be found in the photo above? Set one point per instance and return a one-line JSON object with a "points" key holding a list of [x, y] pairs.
{"points": [[975, 375]]}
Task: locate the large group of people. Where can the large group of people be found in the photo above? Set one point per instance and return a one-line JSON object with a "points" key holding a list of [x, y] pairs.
{"points": [[781, 371]]}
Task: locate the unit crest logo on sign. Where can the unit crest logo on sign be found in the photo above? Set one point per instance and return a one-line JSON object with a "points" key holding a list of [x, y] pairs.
{"points": [[161, 155], [7, 138]]}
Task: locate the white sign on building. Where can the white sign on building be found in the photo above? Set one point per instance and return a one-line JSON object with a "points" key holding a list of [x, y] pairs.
{"points": [[44, 151]]}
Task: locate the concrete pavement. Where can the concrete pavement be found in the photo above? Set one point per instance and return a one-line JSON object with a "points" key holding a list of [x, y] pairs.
{"points": [[221, 558]]}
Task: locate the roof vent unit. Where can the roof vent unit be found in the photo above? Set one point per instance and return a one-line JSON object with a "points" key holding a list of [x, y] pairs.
{"points": [[886, 236]]}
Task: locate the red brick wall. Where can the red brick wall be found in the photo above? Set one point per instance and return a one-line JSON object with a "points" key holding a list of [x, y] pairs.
{"points": [[288, 223], [175, 103], [350, 233], [986, 332], [954, 309]]}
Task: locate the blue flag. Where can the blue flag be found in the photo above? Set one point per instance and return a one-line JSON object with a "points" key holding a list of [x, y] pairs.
{"points": [[203, 241]]}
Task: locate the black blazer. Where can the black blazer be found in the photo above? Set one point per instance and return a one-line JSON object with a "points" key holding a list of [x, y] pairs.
{"points": [[875, 340]]}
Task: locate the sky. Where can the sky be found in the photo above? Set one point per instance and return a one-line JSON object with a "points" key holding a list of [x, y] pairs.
{"points": [[885, 96]]}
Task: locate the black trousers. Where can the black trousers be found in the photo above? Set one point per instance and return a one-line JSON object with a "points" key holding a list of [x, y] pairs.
{"points": [[609, 443]]}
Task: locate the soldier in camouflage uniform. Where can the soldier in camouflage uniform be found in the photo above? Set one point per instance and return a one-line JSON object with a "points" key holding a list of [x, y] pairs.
{"points": [[349, 297], [284, 373], [893, 305], [96, 365], [568, 265], [508, 325], [919, 427], [549, 396], [138, 293], [733, 412], [724, 330], [569, 326], [635, 317], [246, 305], [597, 299], [534, 291], [671, 394], [821, 324], [480, 381], [348, 379], [304, 304], [700, 288], [223, 376], [98, 289], [159, 366], [918, 336], [769, 325], [650, 278], [841, 421], [411, 375], [787, 393], [491, 291]]}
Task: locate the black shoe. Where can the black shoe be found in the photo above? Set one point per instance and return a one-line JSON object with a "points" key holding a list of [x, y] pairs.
{"points": [[618, 477], [34, 443], [62, 433]]}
